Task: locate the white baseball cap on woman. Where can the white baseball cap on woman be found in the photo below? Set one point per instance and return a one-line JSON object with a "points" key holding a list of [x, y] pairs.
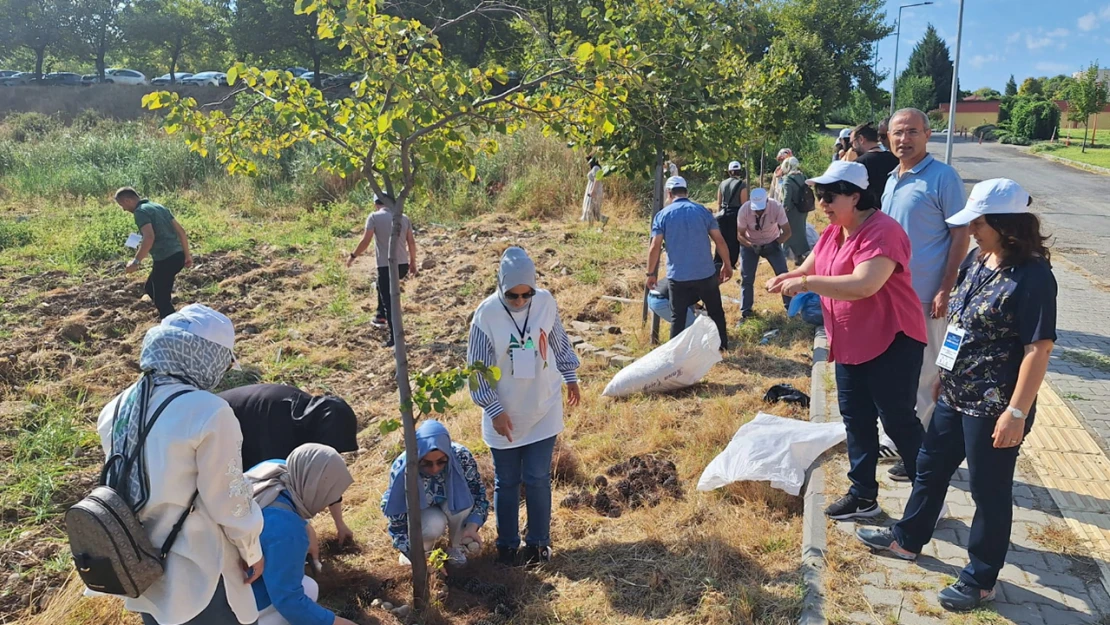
{"points": [[842, 171], [997, 196]]}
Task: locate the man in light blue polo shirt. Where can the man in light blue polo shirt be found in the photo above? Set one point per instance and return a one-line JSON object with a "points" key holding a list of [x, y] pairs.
{"points": [[686, 228], [921, 193]]}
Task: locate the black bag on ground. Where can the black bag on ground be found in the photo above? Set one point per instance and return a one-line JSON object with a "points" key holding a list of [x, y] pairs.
{"points": [[111, 549], [786, 393]]}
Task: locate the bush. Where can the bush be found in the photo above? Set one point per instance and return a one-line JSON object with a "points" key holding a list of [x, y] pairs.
{"points": [[986, 132], [937, 119], [102, 235], [24, 127], [1034, 118], [14, 234], [1046, 146], [1010, 139]]}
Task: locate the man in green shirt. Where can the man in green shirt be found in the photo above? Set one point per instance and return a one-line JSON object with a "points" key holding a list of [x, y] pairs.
{"points": [[166, 242]]}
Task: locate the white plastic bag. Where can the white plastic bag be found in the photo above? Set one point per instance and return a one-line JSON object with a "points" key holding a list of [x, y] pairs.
{"points": [[680, 362], [772, 449]]}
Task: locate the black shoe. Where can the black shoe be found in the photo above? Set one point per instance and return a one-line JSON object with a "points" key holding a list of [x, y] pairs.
{"points": [[532, 555], [506, 556], [388, 343], [961, 597], [851, 507], [886, 453], [898, 472], [883, 540]]}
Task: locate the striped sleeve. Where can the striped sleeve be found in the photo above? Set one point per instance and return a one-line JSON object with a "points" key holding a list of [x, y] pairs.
{"points": [[565, 358], [480, 349]]}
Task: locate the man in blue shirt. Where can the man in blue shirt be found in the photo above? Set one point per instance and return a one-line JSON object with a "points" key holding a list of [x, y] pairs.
{"points": [[920, 194], [686, 228]]}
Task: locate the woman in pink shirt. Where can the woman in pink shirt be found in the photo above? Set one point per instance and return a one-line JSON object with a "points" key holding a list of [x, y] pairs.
{"points": [[875, 326]]}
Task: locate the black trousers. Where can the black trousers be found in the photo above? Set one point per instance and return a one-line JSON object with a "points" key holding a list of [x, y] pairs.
{"points": [[159, 284], [708, 292], [726, 221], [385, 304]]}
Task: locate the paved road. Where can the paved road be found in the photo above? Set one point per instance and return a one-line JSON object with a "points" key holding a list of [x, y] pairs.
{"points": [[1074, 205]]}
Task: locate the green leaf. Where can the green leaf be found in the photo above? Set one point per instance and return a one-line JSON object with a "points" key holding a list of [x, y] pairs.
{"points": [[585, 51], [232, 74], [389, 425]]}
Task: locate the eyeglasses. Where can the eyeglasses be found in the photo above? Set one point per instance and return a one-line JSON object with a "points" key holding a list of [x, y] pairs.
{"points": [[516, 296], [438, 464]]}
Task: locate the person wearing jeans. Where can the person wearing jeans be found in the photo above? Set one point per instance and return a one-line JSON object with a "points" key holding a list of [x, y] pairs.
{"points": [[164, 240], [517, 330], [761, 229], [379, 226], [875, 327], [1001, 331], [686, 228], [732, 194]]}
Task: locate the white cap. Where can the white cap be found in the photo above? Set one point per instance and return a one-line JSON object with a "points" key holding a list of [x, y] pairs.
{"points": [[998, 196], [847, 171], [676, 182], [377, 200], [759, 199], [845, 133], [734, 166], [206, 323]]}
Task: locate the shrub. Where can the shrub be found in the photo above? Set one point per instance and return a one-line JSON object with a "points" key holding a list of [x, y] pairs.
{"points": [[102, 235], [24, 127], [1011, 139], [1034, 118], [86, 120], [986, 132], [13, 234]]}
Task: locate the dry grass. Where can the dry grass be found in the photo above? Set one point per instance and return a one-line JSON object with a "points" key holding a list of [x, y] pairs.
{"points": [[730, 556]]}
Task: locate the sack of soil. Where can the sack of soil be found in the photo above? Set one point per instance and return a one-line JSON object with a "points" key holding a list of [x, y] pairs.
{"points": [[678, 363]]}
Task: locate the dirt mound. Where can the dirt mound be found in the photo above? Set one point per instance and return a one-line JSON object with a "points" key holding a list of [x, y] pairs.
{"points": [[641, 481]]}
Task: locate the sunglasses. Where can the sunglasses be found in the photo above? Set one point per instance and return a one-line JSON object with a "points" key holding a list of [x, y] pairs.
{"points": [[828, 197], [438, 464], [516, 296]]}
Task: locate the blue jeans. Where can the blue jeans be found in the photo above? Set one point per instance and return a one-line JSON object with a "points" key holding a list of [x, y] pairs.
{"points": [[532, 465], [883, 388], [749, 263], [952, 436], [661, 306]]}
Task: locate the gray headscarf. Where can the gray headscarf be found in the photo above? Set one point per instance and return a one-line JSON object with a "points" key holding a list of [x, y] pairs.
{"points": [[791, 166], [314, 476], [169, 355], [516, 269]]}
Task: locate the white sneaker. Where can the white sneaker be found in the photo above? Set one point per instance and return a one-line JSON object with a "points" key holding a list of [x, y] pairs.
{"points": [[456, 556]]}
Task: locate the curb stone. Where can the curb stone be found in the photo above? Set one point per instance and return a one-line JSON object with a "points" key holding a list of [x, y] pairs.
{"points": [[1094, 169], [813, 521]]}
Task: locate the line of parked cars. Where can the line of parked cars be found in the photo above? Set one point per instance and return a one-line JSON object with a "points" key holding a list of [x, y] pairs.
{"points": [[119, 76]]}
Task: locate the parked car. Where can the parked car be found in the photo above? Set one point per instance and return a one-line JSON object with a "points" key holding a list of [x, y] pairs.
{"points": [[296, 71], [207, 79], [17, 79], [164, 79], [56, 79], [311, 77], [342, 80], [8, 73], [91, 79], [124, 77]]}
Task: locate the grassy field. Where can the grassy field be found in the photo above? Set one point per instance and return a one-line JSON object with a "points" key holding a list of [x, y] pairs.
{"points": [[269, 254], [1097, 156], [1076, 134]]}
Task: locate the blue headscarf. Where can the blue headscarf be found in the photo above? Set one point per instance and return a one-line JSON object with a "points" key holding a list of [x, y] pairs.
{"points": [[432, 436]]}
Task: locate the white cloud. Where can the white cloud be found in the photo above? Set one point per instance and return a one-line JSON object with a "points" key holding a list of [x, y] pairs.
{"points": [[1088, 22], [979, 60], [1054, 68], [1036, 43], [1014, 37], [1059, 32]]}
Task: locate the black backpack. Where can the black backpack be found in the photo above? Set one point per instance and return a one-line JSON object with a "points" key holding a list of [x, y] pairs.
{"points": [[809, 202], [111, 549]]}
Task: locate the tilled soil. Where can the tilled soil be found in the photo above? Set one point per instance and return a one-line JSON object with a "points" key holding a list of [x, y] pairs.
{"points": [[641, 481]]}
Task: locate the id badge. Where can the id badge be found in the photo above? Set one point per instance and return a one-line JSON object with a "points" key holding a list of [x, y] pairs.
{"points": [[950, 348], [524, 363]]}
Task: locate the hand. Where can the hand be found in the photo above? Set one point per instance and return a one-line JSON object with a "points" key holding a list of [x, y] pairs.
{"points": [[343, 533], [651, 282], [774, 285], [940, 304], [470, 530], [726, 273], [413, 269], [351, 260], [791, 287], [1008, 431], [189, 261], [574, 395], [252, 572], [503, 425], [131, 267]]}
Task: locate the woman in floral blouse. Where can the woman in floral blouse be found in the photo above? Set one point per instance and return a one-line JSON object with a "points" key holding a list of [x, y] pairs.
{"points": [[454, 497], [1002, 328]]}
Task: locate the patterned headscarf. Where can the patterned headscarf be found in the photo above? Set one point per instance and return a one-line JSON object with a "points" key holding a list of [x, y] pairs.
{"points": [[169, 356]]}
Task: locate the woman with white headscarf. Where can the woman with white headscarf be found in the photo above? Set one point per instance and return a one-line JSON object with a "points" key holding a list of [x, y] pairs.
{"points": [[794, 188], [517, 329], [291, 492], [190, 460]]}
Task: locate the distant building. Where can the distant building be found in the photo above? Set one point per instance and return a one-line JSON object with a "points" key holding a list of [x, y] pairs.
{"points": [[972, 113], [1103, 77]]}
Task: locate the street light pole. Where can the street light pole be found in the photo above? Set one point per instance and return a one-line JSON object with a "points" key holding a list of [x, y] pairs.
{"points": [[955, 88], [897, 39]]}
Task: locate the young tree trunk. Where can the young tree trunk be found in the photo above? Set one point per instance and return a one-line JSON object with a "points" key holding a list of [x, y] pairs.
{"points": [[40, 55], [1085, 128], [413, 492]]}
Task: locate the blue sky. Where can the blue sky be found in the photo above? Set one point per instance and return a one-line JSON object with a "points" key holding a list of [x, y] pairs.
{"points": [[1003, 37]]}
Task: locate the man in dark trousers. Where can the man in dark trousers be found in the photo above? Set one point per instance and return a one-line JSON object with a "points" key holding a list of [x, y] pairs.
{"points": [[380, 225], [686, 228], [731, 195], [164, 240]]}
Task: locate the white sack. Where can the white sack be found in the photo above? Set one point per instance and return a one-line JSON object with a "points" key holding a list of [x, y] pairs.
{"points": [[680, 362], [774, 449]]}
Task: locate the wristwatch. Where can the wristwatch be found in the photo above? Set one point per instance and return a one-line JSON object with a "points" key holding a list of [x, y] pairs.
{"points": [[1017, 413]]}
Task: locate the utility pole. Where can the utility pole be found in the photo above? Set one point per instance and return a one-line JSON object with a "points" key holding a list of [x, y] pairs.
{"points": [[955, 88], [897, 39]]}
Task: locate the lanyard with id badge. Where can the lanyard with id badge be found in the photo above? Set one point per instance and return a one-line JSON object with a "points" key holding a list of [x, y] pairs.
{"points": [[524, 356], [955, 335]]}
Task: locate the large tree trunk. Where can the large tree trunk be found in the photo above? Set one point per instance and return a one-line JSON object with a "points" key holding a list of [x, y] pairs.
{"points": [[40, 55], [413, 491]]}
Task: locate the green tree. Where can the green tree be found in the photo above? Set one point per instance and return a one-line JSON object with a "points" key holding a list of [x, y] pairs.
{"points": [[986, 93], [1030, 87], [33, 25], [271, 33], [413, 112], [931, 59], [1056, 88], [1011, 87], [1087, 97], [1033, 118], [915, 92], [172, 28], [96, 30]]}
